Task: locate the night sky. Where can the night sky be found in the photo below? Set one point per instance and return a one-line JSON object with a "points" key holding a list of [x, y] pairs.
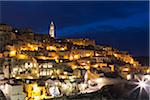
{"points": [[123, 25]]}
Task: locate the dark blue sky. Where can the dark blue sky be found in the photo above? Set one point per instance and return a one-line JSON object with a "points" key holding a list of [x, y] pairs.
{"points": [[124, 25]]}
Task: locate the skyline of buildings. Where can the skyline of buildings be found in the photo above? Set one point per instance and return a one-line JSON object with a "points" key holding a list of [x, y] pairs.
{"points": [[40, 66], [74, 50]]}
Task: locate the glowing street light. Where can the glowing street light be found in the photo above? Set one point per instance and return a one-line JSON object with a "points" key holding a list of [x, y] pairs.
{"points": [[12, 53], [142, 84]]}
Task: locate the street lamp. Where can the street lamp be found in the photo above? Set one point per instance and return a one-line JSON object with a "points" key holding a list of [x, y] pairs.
{"points": [[142, 84]]}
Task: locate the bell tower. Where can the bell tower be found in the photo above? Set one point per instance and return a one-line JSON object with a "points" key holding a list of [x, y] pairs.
{"points": [[51, 30]]}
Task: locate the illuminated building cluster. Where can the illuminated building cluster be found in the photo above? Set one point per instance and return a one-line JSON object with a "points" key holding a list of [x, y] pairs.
{"points": [[64, 66]]}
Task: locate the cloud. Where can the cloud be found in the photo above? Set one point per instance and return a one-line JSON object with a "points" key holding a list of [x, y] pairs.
{"points": [[137, 20]]}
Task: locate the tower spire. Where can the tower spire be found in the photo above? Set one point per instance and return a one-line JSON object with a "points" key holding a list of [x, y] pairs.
{"points": [[51, 30]]}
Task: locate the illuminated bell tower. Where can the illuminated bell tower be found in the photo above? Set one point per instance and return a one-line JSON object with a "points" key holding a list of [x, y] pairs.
{"points": [[51, 30]]}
